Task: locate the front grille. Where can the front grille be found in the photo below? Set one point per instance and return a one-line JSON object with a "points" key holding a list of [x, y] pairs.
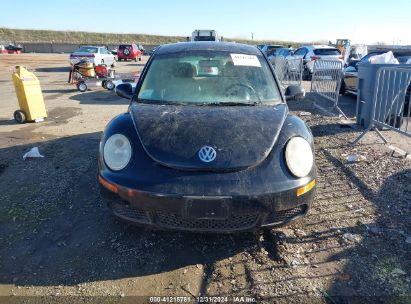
{"points": [[235, 222], [282, 216], [175, 221], [130, 213]]}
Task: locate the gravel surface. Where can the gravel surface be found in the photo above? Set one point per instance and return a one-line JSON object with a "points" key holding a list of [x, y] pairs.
{"points": [[59, 243]]}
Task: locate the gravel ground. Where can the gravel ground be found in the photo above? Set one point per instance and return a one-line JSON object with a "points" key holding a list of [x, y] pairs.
{"points": [[59, 243]]}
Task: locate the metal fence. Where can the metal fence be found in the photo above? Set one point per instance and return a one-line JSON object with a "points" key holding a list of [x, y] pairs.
{"points": [[391, 102], [326, 81], [288, 71]]}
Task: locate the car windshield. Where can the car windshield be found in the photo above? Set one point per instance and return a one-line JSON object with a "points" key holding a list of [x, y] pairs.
{"points": [[209, 78], [327, 52], [204, 38], [87, 49]]}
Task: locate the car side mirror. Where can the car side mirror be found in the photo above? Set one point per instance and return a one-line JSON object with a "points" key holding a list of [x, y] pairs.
{"points": [[124, 90], [294, 92]]}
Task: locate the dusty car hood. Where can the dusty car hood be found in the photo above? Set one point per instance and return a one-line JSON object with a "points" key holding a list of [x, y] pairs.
{"points": [[242, 136]]}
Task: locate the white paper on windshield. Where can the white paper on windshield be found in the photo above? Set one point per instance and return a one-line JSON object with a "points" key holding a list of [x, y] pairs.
{"points": [[245, 60]]}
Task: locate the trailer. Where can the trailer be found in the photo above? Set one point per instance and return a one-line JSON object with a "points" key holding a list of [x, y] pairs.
{"points": [[204, 35]]}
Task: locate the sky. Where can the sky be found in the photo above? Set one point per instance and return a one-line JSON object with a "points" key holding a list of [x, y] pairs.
{"points": [[362, 21]]}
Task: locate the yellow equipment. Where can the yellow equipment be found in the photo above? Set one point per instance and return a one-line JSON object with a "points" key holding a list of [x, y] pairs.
{"points": [[87, 69], [343, 45], [29, 95]]}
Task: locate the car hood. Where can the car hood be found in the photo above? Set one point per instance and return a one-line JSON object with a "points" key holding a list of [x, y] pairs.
{"points": [[242, 136]]}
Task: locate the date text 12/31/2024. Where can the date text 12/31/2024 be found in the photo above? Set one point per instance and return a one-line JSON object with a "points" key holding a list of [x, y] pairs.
{"points": [[174, 299]]}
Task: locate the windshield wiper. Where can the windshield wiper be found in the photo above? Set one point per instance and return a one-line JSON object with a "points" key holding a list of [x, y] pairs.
{"points": [[231, 103], [162, 102]]}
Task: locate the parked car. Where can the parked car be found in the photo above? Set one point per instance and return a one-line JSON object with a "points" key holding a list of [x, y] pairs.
{"points": [[282, 52], [207, 144], [269, 49], [129, 51], [349, 81], [95, 54], [311, 53]]}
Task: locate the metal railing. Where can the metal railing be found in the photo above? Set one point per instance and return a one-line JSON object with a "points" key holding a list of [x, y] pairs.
{"points": [[326, 81], [391, 102], [288, 71]]}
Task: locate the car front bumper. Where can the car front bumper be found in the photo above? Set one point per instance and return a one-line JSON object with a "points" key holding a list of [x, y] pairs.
{"points": [[207, 213]]}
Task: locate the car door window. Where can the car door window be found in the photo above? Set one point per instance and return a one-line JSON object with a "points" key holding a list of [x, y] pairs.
{"points": [[300, 52]]}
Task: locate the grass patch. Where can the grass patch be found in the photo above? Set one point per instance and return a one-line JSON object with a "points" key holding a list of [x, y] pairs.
{"points": [[48, 36]]}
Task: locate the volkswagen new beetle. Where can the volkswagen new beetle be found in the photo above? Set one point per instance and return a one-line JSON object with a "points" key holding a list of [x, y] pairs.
{"points": [[207, 144]]}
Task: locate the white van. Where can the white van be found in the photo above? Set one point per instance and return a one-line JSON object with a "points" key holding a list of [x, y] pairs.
{"points": [[205, 35]]}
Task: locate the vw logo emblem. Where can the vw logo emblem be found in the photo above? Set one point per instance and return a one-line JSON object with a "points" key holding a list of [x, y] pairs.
{"points": [[207, 154]]}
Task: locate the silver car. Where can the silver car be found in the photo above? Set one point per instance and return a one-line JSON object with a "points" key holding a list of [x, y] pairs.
{"points": [[312, 53], [95, 54]]}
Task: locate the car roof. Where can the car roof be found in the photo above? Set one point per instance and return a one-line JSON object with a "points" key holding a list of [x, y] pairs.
{"points": [[323, 46], [396, 52], [208, 46]]}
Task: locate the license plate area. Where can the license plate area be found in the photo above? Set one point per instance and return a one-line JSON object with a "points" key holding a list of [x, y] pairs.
{"points": [[207, 208]]}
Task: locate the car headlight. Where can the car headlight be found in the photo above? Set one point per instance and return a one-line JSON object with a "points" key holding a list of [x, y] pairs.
{"points": [[299, 156], [117, 152]]}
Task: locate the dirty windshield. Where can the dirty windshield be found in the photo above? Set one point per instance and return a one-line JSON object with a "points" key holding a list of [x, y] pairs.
{"points": [[209, 78]]}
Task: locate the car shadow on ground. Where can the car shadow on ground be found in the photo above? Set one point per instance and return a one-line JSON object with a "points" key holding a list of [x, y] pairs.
{"points": [[136, 64], [321, 106], [7, 122], [54, 228], [71, 90], [53, 69], [99, 97]]}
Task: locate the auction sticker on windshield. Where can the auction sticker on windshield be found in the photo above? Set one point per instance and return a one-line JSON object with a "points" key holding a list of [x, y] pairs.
{"points": [[245, 60]]}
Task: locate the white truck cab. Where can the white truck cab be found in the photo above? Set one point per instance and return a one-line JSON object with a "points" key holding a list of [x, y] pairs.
{"points": [[205, 35]]}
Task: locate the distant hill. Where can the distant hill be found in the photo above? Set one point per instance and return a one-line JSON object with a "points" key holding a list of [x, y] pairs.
{"points": [[32, 36]]}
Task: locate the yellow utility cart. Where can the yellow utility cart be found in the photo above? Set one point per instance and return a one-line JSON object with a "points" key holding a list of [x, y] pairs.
{"points": [[29, 95]]}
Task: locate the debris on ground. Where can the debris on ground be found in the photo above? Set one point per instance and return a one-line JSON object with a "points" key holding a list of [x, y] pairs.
{"points": [[33, 153], [353, 158]]}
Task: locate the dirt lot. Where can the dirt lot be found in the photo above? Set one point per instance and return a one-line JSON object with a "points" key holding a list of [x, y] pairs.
{"points": [[58, 242]]}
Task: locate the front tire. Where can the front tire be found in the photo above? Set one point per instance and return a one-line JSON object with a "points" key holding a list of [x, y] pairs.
{"points": [[342, 88], [82, 86], [306, 74], [110, 85], [20, 116]]}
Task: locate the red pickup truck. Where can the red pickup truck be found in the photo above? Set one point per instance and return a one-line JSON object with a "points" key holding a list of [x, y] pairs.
{"points": [[129, 51]]}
